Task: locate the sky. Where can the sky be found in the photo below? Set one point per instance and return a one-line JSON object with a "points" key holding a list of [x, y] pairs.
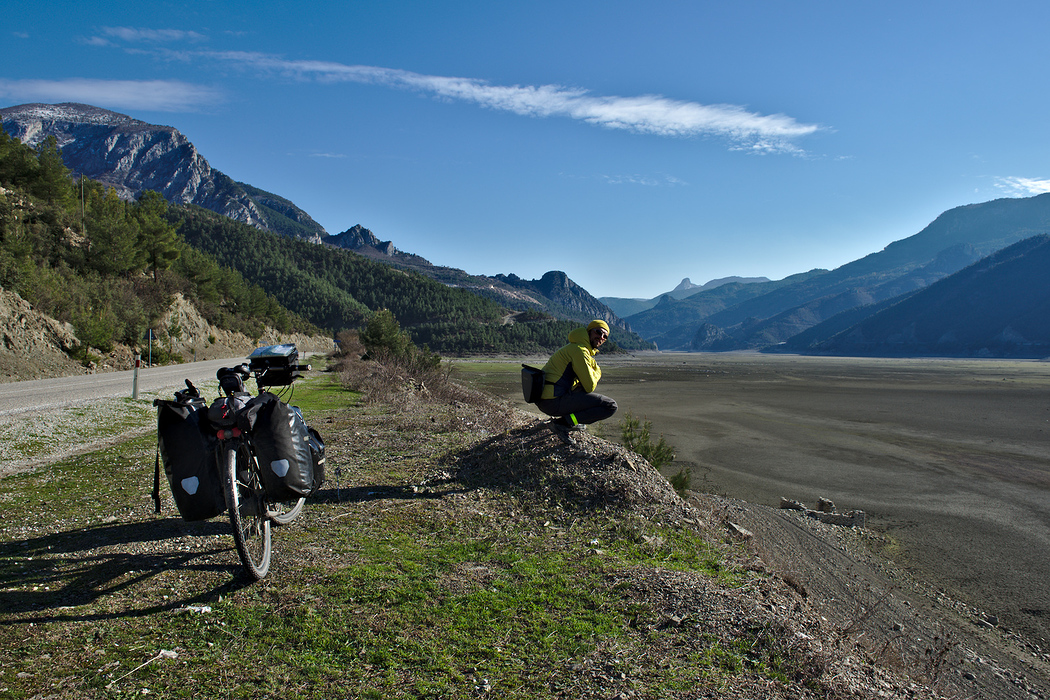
{"points": [[628, 144]]}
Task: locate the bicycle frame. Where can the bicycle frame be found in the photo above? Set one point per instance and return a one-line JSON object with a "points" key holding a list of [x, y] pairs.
{"points": [[251, 512]]}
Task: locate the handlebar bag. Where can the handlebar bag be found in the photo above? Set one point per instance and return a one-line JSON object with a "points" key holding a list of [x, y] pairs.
{"points": [[282, 446], [187, 450]]}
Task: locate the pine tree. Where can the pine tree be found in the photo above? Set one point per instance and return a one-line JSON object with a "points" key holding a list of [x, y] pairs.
{"points": [[113, 235], [157, 237]]}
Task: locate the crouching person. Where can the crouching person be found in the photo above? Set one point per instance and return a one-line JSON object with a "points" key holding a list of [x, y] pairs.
{"points": [[571, 375]]}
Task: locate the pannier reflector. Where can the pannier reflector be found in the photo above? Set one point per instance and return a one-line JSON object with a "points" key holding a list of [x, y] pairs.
{"points": [[190, 484], [280, 467]]}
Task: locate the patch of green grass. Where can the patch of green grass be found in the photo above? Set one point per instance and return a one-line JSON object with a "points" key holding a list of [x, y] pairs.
{"points": [[388, 593], [318, 391]]}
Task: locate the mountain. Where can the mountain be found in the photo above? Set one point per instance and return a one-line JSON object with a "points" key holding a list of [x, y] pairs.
{"points": [[954, 240], [672, 323], [554, 293], [338, 289], [363, 242], [628, 307], [567, 299], [133, 156], [997, 307]]}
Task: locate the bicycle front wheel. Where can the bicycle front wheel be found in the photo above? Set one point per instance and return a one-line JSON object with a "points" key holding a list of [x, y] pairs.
{"points": [[247, 506], [283, 513]]}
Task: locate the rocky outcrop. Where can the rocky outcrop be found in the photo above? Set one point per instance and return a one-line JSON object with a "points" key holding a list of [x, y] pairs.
{"points": [[199, 340], [357, 237], [133, 156], [826, 512], [563, 292], [35, 346], [710, 338]]}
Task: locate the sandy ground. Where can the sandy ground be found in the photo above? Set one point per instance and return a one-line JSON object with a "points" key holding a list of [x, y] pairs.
{"points": [[950, 459]]}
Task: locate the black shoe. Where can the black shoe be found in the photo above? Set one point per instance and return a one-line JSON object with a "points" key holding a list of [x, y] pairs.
{"points": [[560, 429]]}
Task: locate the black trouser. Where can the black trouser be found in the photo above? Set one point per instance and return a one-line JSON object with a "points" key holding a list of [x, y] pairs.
{"points": [[588, 408]]}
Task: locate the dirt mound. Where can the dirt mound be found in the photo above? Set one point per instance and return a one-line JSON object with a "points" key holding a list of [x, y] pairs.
{"points": [[586, 473]]}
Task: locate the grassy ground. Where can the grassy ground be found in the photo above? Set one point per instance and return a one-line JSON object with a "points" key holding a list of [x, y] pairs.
{"points": [[455, 551]]}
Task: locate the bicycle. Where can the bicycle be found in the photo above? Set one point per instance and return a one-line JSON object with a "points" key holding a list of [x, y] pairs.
{"points": [[251, 508]]}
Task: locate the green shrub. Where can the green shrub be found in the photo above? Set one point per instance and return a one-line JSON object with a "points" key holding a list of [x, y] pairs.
{"points": [[635, 436]]}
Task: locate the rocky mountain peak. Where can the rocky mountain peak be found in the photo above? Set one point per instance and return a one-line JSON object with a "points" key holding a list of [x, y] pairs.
{"points": [[133, 156], [685, 285], [563, 292]]}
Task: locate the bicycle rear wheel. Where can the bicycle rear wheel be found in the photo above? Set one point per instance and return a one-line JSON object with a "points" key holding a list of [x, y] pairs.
{"points": [[284, 513], [247, 507]]}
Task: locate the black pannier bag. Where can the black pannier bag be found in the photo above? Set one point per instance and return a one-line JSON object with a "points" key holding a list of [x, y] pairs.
{"points": [[317, 452], [187, 449], [283, 447], [532, 380]]}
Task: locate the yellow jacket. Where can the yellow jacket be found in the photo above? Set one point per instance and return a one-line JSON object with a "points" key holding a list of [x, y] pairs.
{"points": [[572, 365]]}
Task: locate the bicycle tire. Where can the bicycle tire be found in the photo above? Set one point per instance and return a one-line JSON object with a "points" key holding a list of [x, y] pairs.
{"points": [[284, 513], [247, 509]]}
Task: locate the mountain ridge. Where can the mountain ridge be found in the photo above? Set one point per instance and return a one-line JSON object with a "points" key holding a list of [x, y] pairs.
{"points": [[626, 307], [997, 307], [133, 156], [955, 239]]}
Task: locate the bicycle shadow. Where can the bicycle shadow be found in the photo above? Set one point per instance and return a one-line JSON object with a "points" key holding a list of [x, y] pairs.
{"points": [[362, 494], [50, 576]]}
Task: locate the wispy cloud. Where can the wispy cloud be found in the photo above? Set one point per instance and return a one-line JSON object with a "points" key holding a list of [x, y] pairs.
{"points": [[151, 95], [646, 114], [1023, 186], [645, 180], [141, 35], [113, 36]]}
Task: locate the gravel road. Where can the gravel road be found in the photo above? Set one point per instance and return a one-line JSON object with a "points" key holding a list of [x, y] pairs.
{"points": [[47, 419], [40, 395]]}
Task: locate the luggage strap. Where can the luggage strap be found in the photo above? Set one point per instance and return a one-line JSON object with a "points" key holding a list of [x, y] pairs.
{"points": [[156, 484]]}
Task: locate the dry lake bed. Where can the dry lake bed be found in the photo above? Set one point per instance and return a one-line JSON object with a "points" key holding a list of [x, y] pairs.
{"points": [[950, 459]]}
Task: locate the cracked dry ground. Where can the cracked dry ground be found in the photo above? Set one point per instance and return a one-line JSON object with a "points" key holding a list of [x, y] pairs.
{"points": [[77, 579]]}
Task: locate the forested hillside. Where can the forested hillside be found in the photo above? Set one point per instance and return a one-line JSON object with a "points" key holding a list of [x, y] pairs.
{"points": [[78, 253], [337, 289]]}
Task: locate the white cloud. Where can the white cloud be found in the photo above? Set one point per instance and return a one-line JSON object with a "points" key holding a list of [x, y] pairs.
{"points": [[151, 95], [141, 35], [1023, 186], [645, 180], [646, 114]]}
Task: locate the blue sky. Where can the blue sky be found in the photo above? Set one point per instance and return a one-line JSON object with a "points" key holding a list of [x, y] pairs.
{"points": [[629, 144]]}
